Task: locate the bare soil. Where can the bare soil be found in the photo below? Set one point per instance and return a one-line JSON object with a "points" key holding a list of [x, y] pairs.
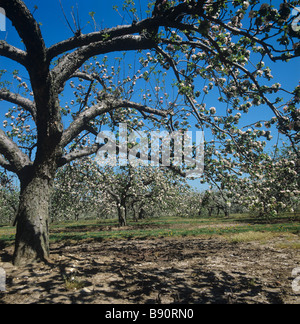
{"points": [[166, 271]]}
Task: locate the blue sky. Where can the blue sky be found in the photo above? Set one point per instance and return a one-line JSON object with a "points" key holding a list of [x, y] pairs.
{"points": [[54, 29]]}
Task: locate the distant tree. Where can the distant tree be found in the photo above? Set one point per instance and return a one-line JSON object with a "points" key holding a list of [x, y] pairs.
{"points": [[74, 197], [215, 201], [272, 188], [84, 186]]}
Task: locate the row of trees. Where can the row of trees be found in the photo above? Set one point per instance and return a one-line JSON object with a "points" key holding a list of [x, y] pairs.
{"points": [[269, 190], [84, 190]]}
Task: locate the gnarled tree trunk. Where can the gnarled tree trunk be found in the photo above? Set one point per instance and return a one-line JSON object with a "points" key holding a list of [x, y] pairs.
{"points": [[32, 238]]}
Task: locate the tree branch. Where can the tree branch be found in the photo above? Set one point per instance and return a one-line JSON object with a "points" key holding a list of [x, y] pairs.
{"points": [[108, 104], [79, 123], [267, 47], [89, 77], [101, 36], [13, 53], [141, 108], [10, 150], [6, 165], [87, 151], [17, 99], [108, 34], [73, 61]]}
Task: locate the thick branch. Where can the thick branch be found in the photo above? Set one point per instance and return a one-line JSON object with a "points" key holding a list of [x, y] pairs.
{"points": [[109, 104], [12, 53], [103, 35], [79, 123], [84, 40], [10, 150], [6, 165], [78, 154], [120, 31], [17, 99], [72, 62]]}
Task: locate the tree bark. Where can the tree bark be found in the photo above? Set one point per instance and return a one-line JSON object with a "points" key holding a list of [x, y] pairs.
{"points": [[122, 216], [135, 212], [32, 238], [142, 213]]}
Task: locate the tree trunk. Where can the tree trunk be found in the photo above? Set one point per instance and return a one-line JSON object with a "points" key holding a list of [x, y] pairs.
{"points": [[32, 238], [122, 216], [135, 213], [142, 213], [227, 212]]}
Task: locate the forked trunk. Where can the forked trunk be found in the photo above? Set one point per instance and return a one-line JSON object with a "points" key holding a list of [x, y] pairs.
{"points": [[32, 238]]}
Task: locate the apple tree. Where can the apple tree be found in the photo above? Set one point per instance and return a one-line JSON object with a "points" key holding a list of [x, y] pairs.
{"points": [[221, 44]]}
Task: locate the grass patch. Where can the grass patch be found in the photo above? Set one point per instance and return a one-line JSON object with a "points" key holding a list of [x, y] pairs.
{"points": [[7, 234], [289, 245], [251, 236], [72, 283], [173, 227], [237, 228]]}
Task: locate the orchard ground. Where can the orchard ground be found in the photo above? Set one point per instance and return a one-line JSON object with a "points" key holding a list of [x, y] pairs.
{"points": [[166, 260]]}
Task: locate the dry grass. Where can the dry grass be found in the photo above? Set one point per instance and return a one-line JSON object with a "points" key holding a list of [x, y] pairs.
{"points": [[72, 283], [289, 245], [251, 237], [281, 240]]}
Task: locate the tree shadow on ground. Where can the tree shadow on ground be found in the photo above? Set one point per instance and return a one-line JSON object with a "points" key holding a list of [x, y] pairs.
{"points": [[190, 271]]}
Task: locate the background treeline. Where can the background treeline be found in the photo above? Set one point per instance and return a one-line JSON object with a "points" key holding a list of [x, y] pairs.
{"points": [[84, 191]]}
